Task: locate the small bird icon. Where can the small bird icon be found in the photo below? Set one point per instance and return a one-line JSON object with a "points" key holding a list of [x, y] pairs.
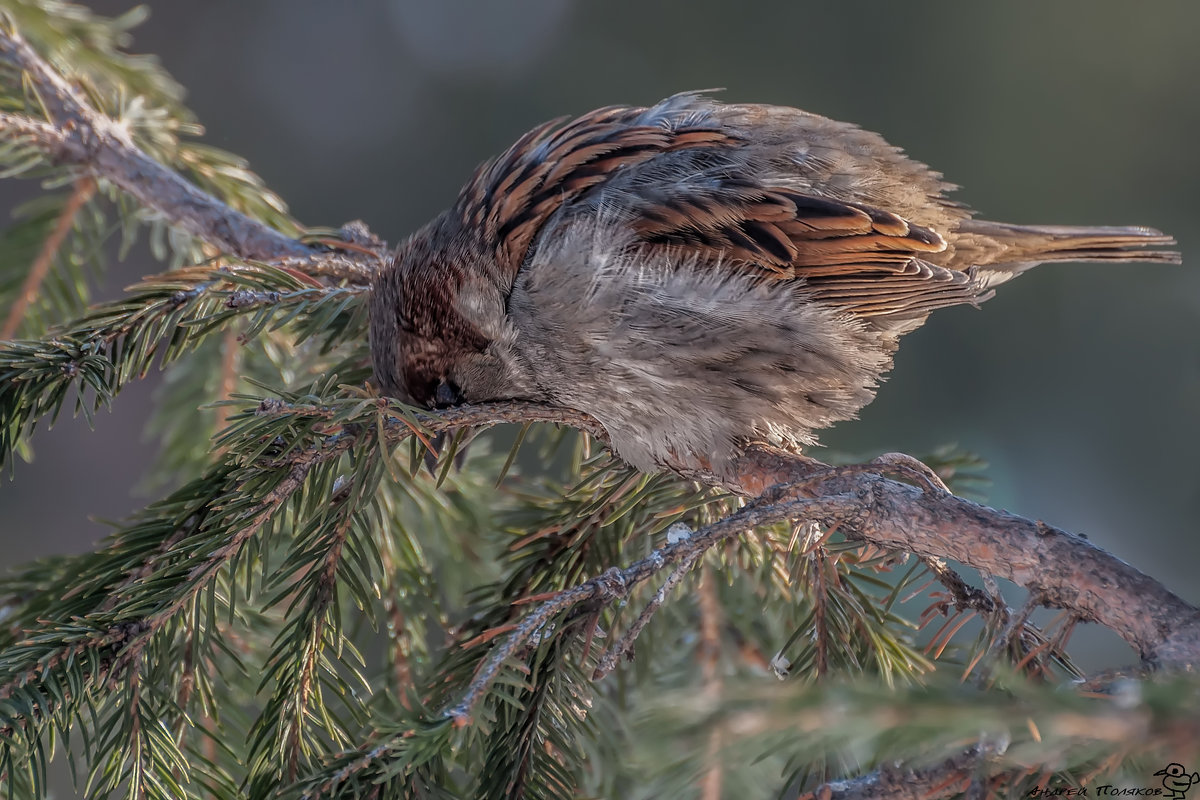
{"points": [[1177, 781]]}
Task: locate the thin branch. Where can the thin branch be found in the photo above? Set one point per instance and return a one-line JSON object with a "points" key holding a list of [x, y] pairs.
{"points": [[965, 595], [615, 584], [137, 742], [81, 136], [41, 134], [709, 651], [610, 585], [608, 662], [198, 578], [354, 255], [143, 571], [353, 269], [230, 352], [324, 596], [1016, 625], [898, 782], [84, 189], [516, 412], [395, 629], [187, 685], [818, 562]]}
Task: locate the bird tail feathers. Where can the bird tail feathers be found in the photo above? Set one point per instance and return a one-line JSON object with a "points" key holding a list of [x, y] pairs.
{"points": [[1001, 251]]}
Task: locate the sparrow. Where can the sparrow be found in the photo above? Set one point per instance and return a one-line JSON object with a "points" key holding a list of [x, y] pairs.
{"points": [[699, 277]]}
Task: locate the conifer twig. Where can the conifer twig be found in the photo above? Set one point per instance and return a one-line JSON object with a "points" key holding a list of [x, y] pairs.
{"points": [[230, 345], [609, 585], [616, 583], [43, 134], [130, 637], [709, 651], [608, 662], [818, 563], [84, 189], [79, 135], [898, 782], [324, 597], [965, 595]]}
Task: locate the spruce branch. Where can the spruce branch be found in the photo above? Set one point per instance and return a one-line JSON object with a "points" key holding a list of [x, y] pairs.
{"points": [[964, 594], [229, 372], [34, 133], [164, 317], [77, 134], [820, 618], [283, 739], [58, 643], [57, 667], [615, 584], [1160, 626], [848, 622], [845, 509], [610, 586]]}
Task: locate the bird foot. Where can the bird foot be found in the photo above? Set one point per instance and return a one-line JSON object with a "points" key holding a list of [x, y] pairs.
{"points": [[896, 465], [911, 469]]}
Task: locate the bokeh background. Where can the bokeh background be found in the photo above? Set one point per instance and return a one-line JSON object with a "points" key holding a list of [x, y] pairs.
{"points": [[1078, 383]]}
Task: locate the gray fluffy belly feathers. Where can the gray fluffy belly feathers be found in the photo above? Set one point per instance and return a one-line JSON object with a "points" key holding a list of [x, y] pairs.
{"points": [[681, 361]]}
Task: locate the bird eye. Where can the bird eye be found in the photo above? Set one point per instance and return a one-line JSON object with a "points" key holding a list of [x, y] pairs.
{"points": [[446, 395]]}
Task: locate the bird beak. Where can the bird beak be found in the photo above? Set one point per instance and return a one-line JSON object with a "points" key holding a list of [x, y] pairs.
{"points": [[446, 395]]}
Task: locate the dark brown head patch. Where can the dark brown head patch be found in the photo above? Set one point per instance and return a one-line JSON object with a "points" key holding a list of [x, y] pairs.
{"points": [[433, 334]]}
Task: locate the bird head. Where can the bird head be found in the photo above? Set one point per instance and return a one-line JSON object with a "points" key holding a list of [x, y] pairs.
{"points": [[439, 329]]}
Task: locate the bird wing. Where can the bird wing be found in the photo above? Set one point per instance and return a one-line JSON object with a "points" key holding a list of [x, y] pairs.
{"points": [[734, 186]]}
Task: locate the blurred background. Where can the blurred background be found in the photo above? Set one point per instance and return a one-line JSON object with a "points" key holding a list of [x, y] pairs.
{"points": [[1078, 383]]}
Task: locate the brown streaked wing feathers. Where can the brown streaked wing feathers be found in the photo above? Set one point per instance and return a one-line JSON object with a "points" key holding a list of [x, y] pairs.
{"points": [[864, 259], [512, 197]]}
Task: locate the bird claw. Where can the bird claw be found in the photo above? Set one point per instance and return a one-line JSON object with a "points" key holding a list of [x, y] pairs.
{"points": [[905, 466], [896, 465]]}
